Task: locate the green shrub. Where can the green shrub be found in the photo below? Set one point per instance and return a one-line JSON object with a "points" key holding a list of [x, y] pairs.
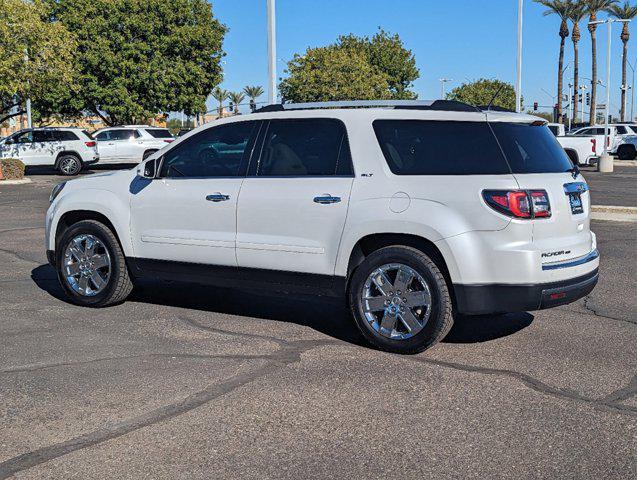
{"points": [[12, 168]]}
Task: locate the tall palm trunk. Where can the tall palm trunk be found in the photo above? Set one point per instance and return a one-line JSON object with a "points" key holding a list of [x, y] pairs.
{"points": [[560, 70], [575, 36], [625, 37], [592, 118]]}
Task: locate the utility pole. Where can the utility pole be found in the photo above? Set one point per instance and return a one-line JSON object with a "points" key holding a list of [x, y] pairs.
{"points": [[518, 84], [271, 52]]}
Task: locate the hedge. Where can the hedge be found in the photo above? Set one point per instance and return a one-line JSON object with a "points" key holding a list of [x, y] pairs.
{"points": [[12, 169]]}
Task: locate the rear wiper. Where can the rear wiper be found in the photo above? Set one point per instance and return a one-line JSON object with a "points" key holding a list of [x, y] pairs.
{"points": [[575, 171]]}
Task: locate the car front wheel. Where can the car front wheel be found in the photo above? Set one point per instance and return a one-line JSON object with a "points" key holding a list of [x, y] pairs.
{"points": [[91, 265], [400, 300], [626, 152]]}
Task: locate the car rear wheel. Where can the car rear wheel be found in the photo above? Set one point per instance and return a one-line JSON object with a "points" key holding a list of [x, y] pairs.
{"points": [[91, 265], [626, 152], [69, 165], [400, 300]]}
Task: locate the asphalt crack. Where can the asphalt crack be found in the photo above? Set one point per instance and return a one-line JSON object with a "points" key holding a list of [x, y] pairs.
{"points": [[289, 353]]}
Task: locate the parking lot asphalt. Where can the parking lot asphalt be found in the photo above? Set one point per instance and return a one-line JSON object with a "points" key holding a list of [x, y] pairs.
{"points": [[617, 188], [193, 382]]}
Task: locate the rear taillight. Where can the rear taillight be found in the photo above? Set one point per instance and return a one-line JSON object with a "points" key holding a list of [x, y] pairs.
{"points": [[169, 140], [594, 145], [90, 144], [519, 203]]}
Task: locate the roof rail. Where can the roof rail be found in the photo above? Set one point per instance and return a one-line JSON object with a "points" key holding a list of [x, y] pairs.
{"points": [[440, 105]]}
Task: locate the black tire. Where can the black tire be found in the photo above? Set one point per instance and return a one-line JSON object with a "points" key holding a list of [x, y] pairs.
{"points": [[69, 164], [119, 284], [440, 319], [626, 152], [147, 154]]}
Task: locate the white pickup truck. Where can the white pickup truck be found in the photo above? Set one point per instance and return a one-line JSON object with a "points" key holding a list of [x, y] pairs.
{"points": [[581, 149]]}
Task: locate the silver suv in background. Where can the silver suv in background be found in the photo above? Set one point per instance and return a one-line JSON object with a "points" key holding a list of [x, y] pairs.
{"points": [[130, 143], [66, 149]]}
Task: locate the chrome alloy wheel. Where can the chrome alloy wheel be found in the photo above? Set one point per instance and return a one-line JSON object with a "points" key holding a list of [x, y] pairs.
{"points": [[396, 301], [86, 265], [69, 164]]}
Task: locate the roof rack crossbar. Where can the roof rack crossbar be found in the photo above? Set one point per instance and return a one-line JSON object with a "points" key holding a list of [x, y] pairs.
{"points": [[441, 105]]}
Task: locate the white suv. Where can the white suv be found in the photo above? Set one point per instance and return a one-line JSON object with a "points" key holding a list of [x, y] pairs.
{"points": [[66, 149], [130, 143], [412, 210]]}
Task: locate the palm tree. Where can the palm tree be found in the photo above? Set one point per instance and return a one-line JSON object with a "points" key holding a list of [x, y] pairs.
{"points": [[236, 98], [593, 7], [220, 95], [623, 12], [576, 14], [561, 8], [253, 93]]}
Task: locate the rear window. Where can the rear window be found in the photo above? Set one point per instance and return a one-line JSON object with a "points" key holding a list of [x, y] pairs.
{"points": [[421, 147], [555, 130], [64, 135], [531, 148], [159, 133]]}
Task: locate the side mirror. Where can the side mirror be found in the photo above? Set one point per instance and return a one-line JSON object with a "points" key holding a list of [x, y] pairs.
{"points": [[148, 169]]}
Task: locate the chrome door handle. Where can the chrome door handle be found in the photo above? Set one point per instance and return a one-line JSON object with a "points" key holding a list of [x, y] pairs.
{"points": [[326, 199], [217, 197]]}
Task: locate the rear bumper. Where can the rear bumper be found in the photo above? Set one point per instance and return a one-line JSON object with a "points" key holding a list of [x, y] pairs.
{"points": [[490, 299]]}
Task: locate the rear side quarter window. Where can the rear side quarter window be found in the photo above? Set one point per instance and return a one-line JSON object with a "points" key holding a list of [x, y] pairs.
{"points": [[424, 147]]}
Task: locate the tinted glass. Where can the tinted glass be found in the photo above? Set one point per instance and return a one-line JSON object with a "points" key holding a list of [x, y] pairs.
{"points": [[305, 147], [419, 147], [103, 136], [159, 133], [64, 136], [621, 130], [586, 131], [531, 148], [554, 130], [215, 152], [122, 134], [25, 137], [42, 136]]}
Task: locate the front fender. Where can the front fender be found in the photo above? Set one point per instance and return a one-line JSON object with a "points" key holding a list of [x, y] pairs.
{"points": [[112, 206]]}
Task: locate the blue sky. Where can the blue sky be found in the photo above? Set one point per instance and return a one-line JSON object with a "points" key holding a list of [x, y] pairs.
{"points": [[460, 40]]}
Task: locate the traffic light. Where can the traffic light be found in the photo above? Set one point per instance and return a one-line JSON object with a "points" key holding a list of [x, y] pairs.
{"points": [[535, 106], [588, 99]]}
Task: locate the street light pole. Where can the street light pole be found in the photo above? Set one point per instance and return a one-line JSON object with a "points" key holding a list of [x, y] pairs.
{"points": [[271, 52], [570, 106], [518, 84], [443, 81], [606, 162]]}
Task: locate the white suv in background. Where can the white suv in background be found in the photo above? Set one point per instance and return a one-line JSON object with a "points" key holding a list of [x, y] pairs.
{"points": [[413, 211], [130, 143], [66, 149]]}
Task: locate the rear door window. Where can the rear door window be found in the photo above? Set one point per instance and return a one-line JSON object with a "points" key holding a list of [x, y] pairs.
{"points": [[421, 147], [314, 147], [64, 136], [122, 134], [531, 148]]}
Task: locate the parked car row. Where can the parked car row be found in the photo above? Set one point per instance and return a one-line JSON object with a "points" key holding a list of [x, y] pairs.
{"points": [[69, 150], [584, 145]]}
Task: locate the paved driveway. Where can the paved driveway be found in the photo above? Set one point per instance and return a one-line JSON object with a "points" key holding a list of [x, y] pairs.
{"points": [[192, 382]]}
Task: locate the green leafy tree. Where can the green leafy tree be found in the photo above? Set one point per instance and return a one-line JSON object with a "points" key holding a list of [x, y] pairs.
{"points": [[331, 73], [593, 7], [237, 98], [353, 68], [561, 8], [220, 95], [253, 93], [480, 93], [35, 59], [138, 58], [388, 55], [624, 11]]}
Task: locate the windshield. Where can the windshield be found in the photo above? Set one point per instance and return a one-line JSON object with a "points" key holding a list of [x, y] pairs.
{"points": [[531, 148]]}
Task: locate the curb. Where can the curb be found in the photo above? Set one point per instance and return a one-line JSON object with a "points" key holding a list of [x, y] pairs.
{"points": [[625, 163], [614, 213], [22, 181]]}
